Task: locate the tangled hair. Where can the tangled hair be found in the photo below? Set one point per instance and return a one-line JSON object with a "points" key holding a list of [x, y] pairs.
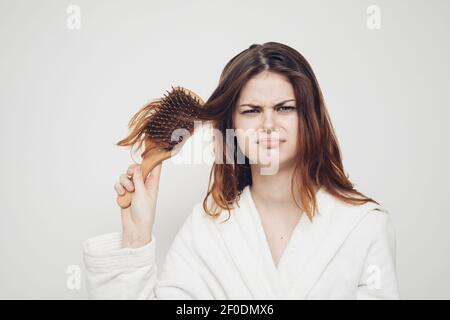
{"points": [[319, 162]]}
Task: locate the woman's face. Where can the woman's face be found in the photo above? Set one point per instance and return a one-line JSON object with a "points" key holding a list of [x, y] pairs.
{"points": [[265, 120]]}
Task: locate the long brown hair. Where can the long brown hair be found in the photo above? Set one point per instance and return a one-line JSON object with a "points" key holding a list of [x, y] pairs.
{"points": [[319, 162]]}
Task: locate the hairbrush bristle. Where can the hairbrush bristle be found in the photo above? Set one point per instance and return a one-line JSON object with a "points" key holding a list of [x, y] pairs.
{"points": [[160, 120]]}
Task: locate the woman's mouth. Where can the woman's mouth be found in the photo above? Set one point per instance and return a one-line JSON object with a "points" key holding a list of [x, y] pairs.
{"points": [[270, 143]]}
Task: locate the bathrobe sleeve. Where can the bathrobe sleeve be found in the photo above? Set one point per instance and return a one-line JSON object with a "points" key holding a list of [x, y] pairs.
{"points": [[379, 279], [113, 272]]}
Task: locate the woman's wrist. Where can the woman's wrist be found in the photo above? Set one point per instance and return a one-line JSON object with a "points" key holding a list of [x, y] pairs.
{"points": [[136, 241]]}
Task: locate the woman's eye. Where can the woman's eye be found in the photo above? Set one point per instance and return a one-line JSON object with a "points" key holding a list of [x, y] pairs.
{"points": [[283, 109], [286, 108], [250, 111]]}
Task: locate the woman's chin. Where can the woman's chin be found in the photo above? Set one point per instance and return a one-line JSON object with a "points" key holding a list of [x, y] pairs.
{"points": [[272, 159]]}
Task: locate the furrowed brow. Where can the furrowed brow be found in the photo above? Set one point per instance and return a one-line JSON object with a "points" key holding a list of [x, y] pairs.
{"points": [[256, 106]]}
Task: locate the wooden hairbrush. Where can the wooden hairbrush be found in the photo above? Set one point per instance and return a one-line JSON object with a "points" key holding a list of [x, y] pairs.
{"points": [[163, 126]]}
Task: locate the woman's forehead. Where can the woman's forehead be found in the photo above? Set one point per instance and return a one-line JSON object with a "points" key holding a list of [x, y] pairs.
{"points": [[269, 88]]}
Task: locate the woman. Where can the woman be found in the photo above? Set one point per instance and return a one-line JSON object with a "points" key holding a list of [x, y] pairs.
{"points": [[281, 220]]}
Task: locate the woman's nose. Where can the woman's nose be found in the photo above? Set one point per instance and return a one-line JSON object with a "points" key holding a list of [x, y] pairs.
{"points": [[268, 121]]}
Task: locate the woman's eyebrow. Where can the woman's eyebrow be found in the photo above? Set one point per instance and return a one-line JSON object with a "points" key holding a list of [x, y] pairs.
{"points": [[256, 106]]}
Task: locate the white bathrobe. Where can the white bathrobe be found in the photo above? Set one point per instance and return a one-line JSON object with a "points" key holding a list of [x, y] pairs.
{"points": [[346, 252]]}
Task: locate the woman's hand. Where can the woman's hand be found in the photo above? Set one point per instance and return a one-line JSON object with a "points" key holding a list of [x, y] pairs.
{"points": [[138, 218]]}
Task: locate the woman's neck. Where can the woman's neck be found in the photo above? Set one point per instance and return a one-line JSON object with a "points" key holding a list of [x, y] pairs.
{"points": [[273, 191]]}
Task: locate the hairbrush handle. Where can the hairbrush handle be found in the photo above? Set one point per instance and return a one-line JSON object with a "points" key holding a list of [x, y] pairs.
{"points": [[154, 157], [147, 165]]}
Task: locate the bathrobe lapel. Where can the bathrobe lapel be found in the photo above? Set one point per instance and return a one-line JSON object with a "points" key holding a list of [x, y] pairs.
{"points": [[335, 222], [310, 249], [247, 249]]}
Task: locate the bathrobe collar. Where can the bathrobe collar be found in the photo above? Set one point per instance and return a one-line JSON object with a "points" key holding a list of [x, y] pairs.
{"points": [[311, 247]]}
